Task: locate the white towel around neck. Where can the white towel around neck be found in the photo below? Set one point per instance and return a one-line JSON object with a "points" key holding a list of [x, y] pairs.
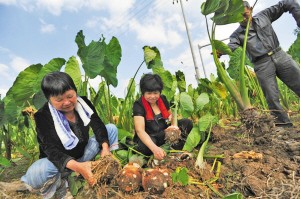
{"points": [[61, 124]]}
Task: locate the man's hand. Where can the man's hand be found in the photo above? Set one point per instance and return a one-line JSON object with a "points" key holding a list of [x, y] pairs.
{"points": [[218, 53]]}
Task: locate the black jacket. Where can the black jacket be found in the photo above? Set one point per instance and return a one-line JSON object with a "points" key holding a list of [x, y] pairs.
{"points": [[50, 144]]}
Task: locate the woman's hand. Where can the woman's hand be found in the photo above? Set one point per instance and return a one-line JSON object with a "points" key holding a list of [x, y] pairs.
{"points": [[172, 127], [159, 153], [105, 150], [84, 169]]}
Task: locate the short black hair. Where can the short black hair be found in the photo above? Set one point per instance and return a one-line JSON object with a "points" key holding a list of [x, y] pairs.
{"points": [[246, 4], [151, 82], [56, 83]]}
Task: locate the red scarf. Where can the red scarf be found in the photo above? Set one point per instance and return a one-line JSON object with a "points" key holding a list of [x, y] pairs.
{"points": [[149, 110]]}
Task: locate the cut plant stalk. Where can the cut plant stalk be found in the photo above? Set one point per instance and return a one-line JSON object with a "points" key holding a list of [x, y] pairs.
{"points": [[200, 163]]}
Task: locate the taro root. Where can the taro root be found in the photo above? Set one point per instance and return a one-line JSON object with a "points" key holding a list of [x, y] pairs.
{"points": [[129, 178], [156, 180], [172, 136], [105, 169]]}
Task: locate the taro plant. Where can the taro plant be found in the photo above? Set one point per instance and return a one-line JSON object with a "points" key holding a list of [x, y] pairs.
{"points": [[226, 12], [100, 59]]}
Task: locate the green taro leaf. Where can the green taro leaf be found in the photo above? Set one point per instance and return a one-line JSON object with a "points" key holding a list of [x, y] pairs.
{"points": [[201, 101], [75, 184], [152, 57], [23, 87], [207, 120], [223, 7], [222, 47], [111, 61], [131, 90], [232, 14], [181, 176], [210, 6], [53, 65], [219, 89], [186, 104], [92, 56], [169, 82], [181, 83], [80, 40], [11, 110], [39, 99], [193, 139], [123, 134], [1, 112], [72, 68], [122, 154]]}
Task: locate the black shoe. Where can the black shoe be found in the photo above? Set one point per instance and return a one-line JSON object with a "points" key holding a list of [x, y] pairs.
{"points": [[284, 125]]}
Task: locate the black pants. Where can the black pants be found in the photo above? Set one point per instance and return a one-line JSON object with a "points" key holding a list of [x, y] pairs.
{"points": [[279, 65], [185, 126]]}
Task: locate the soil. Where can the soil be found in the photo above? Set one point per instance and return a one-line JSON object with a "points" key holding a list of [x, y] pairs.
{"points": [[255, 163]]}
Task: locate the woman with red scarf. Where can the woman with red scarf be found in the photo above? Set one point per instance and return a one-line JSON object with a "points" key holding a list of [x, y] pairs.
{"points": [[151, 117]]}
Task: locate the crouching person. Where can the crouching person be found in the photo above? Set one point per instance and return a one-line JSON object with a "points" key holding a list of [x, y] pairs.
{"points": [[62, 126]]}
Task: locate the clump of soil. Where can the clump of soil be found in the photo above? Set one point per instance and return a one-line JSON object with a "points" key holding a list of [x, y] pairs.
{"points": [[105, 168], [273, 173]]}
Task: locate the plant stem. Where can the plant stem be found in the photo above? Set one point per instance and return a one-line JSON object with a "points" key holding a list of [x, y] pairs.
{"points": [[126, 97]]}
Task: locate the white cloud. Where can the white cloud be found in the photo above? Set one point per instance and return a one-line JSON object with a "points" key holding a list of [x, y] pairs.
{"points": [[113, 7], [4, 71], [46, 28], [19, 63], [55, 7], [8, 2], [3, 92]]}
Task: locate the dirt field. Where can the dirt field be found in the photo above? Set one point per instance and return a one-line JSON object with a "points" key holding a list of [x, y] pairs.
{"points": [[255, 164]]}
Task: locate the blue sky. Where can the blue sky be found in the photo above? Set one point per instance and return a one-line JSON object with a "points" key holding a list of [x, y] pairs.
{"points": [[36, 31]]}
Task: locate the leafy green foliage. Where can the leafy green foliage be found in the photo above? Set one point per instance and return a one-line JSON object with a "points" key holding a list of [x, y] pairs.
{"points": [[206, 120], [111, 61], [23, 87], [228, 14], [123, 134], [186, 104], [92, 56], [54, 64], [181, 81], [201, 101], [193, 139], [152, 57], [294, 49], [222, 47], [169, 81], [234, 63], [74, 184], [209, 7], [4, 162], [180, 175], [72, 69]]}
